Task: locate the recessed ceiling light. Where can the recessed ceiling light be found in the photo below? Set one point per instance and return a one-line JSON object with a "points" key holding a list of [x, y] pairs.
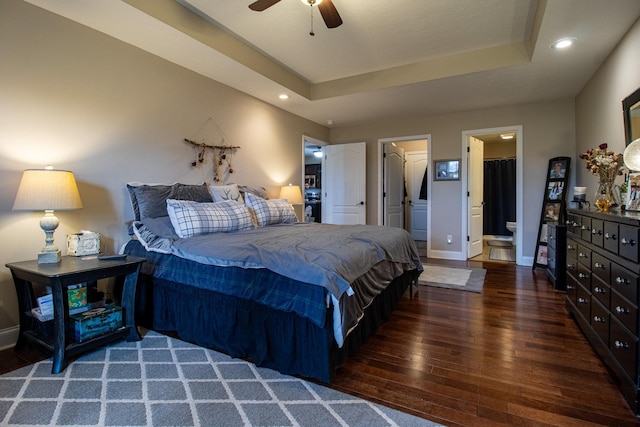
{"points": [[330, 122], [506, 136], [563, 43], [283, 96]]}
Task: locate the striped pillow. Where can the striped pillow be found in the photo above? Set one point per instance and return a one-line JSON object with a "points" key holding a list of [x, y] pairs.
{"points": [[192, 218]]}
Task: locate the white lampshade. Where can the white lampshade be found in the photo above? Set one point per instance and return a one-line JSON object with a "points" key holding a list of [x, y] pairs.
{"points": [[292, 193], [631, 155], [47, 190]]}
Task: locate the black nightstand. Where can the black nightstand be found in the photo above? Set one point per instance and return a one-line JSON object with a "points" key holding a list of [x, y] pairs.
{"points": [[71, 271]]}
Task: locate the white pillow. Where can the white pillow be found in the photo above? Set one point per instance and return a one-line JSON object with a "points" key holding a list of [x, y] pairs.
{"points": [[272, 211], [224, 192], [192, 218]]}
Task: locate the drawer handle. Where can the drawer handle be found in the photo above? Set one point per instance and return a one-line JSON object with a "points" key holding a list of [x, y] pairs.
{"points": [[620, 344], [551, 260], [629, 242], [594, 232], [570, 247], [582, 300], [571, 266], [621, 281], [582, 255], [570, 287], [585, 228], [599, 290], [609, 236], [598, 319], [601, 266], [552, 238], [622, 310], [583, 275], [576, 224]]}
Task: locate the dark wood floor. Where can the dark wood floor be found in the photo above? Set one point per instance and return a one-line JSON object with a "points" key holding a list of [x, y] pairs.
{"points": [[509, 356]]}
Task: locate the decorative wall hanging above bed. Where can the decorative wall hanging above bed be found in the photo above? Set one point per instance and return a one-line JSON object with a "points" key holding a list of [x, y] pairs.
{"points": [[221, 152]]}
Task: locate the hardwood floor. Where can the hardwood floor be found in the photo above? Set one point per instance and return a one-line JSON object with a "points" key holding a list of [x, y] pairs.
{"points": [[508, 356]]}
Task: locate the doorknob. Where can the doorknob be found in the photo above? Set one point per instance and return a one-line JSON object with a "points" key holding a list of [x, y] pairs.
{"points": [[361, 203]]}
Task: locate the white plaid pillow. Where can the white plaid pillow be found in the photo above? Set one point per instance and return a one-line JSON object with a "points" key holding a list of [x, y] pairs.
{"points": [[192, 218], [272, 211]]}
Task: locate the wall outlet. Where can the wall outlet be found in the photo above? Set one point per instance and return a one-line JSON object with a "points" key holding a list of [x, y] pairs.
{"points": [[449, 238]]}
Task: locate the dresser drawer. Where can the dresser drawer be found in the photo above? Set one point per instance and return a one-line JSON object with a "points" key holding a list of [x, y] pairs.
{"points": [[600, 320], [611, 236], [601, 291], [625, 282], [625, 312], [572, 289], [628, 246], [583, 301], [601, 267], [585, 228], [624, 347], [584, 256], [597, 232], [551, 259], [584, 276]]}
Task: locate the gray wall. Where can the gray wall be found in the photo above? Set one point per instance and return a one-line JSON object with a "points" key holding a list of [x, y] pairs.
{"points": [[599, 104], [548, 132], [112, 113]]}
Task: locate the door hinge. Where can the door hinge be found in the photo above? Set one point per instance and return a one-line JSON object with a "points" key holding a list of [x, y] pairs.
{"points": [[468, 239], [468, 149], [468, 194]]}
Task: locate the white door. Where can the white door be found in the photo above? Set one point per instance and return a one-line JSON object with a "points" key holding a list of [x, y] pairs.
{"points": [[416, 168], [344, 184], [393, 178], [476, 195]]}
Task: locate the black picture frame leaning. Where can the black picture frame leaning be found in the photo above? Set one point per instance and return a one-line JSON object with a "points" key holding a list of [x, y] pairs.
{"points": [[554, 205]]}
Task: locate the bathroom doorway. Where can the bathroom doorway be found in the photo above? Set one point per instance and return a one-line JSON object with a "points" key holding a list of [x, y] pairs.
{"points": [[493, 232]]}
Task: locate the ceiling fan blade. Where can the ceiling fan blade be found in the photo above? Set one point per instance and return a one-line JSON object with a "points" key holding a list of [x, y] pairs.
{"points": [[329, 14], [261, 5]]}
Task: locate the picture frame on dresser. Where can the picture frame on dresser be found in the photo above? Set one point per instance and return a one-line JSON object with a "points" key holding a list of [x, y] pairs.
{"points": [[633, 195]]}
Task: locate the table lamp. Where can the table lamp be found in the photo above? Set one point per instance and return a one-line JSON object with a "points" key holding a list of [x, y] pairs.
{"points": [[293, 195], [47, 190]]}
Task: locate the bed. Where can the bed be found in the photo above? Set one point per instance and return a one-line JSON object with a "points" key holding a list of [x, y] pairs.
{"points": [[229, 269]]}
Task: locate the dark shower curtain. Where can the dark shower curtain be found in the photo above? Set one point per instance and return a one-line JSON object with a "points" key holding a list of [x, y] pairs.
{"points": [[499, 196]]}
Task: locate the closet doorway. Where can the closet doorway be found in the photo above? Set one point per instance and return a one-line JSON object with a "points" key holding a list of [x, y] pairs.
{"points": [[493, 225], [414, 193]]}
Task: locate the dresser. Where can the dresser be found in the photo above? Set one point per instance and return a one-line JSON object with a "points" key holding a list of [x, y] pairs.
{"points": [[556, 255], [602, 272]]}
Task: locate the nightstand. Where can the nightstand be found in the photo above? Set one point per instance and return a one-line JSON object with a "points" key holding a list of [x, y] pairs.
{"points": [[71, 271]]}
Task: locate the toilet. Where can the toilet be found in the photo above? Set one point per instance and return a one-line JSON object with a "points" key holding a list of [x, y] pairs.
{"points": [[512, 227]]}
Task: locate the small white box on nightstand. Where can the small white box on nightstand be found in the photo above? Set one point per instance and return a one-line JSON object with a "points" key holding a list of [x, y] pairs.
{"points": [[85, 243]]}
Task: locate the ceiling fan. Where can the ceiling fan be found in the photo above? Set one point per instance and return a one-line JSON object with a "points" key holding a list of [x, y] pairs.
{"points": [[328, 11]]}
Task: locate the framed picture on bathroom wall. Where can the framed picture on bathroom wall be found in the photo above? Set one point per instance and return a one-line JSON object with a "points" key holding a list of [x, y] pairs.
{"points": [[541, 256], [543, 234], [633, 193]]}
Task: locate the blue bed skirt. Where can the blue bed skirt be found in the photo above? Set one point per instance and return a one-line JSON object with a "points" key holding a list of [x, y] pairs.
{"points": [[283, 341]]}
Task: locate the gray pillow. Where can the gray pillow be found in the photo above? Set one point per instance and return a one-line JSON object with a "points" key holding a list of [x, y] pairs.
{"points": [[150, 200]]}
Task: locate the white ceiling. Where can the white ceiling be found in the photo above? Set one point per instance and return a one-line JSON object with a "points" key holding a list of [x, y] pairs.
{"points": [[388, 59]]}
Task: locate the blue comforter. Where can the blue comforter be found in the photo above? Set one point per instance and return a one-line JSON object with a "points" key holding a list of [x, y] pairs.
{"points": [[328, 255]]}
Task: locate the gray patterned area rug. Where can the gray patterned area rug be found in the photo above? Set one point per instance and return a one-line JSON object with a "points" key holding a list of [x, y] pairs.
{"points": [[161, 381], [463, 278]]}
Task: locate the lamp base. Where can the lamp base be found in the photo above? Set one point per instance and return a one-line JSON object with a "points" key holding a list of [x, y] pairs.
{"points": [[49, 257]]}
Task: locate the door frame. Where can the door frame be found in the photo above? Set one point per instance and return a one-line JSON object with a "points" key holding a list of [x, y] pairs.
{"points": [[518, 129], [381, 142]]}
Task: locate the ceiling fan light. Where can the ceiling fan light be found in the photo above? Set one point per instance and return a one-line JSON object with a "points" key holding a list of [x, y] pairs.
{"points": [[311, 2]]}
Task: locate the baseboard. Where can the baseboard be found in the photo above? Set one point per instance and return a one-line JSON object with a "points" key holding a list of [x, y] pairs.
{"points": [[527, 260], [8, 337], [446, 255]]}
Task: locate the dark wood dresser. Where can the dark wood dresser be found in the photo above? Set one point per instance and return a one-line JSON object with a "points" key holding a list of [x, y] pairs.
{"points": [[556, 255], [603, 268]]}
